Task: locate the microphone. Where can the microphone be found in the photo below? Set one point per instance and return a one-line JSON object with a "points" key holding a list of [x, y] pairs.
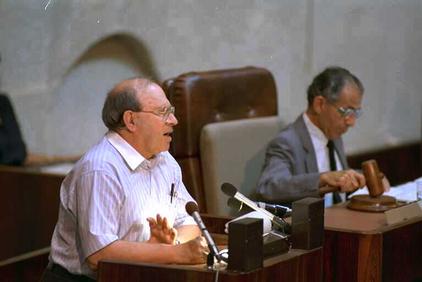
{"points": [[192, 210], [231, 191], [278, 210]]}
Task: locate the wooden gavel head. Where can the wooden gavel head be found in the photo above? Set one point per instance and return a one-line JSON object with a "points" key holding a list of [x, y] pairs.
{"points": [[373, 178]]}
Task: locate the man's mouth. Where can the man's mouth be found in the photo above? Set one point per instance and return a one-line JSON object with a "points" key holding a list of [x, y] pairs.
{"points": [[168, 134]]}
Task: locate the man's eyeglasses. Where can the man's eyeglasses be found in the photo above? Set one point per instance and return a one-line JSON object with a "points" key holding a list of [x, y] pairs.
{"points": [[163, 113], [349, 112]]}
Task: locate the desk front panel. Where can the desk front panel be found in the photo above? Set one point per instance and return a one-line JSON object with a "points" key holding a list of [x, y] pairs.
{"points": [[361, 246]]}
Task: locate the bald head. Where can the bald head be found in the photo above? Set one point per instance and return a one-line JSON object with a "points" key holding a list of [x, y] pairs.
{"points": [[123, 97]]}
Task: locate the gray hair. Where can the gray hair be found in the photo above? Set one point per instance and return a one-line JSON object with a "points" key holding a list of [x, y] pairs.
{"points": [[330, 83]]}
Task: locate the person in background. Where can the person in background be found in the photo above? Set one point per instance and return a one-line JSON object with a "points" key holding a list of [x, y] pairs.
{"points": [[13, 150], [125, 199], [308, 154]]}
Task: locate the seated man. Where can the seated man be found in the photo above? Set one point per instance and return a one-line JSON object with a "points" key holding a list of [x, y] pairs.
{"points": [[125, 199], [298, 161]]}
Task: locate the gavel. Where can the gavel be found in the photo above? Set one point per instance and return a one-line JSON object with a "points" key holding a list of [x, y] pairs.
{"points": [[373, 179]]}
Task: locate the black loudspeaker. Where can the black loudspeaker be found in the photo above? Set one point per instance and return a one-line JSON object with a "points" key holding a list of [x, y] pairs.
{"points": [[245, 245], [308, 223]]}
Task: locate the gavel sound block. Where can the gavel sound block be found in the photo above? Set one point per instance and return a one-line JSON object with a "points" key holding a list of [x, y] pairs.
{"points": [[375, 201]]}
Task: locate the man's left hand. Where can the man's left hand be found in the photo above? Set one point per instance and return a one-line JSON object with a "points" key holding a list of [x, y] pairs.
{"points": [[161, 231]]}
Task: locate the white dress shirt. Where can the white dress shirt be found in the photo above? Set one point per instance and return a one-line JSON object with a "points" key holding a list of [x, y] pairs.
{"points": [[319, 141]]}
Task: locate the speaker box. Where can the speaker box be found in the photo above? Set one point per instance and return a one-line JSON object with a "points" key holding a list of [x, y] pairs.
{"points": [[245, 245], [307, 223]]}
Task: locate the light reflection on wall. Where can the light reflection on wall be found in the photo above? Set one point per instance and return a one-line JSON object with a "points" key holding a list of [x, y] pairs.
{"points": [[79, 99]]}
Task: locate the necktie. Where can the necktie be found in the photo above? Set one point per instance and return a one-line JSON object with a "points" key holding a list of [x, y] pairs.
{"points": [[333, 167]]}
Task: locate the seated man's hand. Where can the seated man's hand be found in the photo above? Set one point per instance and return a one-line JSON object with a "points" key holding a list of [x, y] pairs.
{"points": [[345, 180], [386, 184], [161, 231]]}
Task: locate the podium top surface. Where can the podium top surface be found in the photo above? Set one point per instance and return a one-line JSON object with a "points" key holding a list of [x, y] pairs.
{"points": [[340, 218]]}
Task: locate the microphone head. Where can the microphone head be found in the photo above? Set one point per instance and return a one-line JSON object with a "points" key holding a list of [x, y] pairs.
{"points": [[228, 189], [191, 207]]}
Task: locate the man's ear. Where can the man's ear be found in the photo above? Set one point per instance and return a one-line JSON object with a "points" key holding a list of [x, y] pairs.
{"points": [[129, 120], [318, 104]]}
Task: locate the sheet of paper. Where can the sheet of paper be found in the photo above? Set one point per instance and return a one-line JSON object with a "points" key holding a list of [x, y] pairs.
{"points": [[405, 192]]}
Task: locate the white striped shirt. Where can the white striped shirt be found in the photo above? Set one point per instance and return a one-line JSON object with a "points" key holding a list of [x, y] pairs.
{"points": [[108, 196]]}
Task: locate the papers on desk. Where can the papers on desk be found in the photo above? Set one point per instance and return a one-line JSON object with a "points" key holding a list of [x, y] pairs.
{"points": [[405, 192]]}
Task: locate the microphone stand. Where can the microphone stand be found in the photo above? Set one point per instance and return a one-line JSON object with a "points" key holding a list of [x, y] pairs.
{"points": [[210, 260]]}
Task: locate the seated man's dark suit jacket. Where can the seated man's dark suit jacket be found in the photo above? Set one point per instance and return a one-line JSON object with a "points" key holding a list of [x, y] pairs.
{"points": [[290, 170]]}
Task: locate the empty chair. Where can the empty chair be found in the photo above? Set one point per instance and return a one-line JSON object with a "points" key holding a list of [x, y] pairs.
{"points": [[214, 96]]}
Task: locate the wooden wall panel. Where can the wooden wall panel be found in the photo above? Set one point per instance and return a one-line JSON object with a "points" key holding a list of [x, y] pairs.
{"points": [[400, 164]]}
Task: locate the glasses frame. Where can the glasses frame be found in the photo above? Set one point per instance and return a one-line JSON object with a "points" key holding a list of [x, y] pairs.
{"points": [[349, 112], [163, 114]]}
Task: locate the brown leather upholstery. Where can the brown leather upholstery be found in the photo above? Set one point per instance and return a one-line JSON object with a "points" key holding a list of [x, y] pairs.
{"points": [[214, 96]]}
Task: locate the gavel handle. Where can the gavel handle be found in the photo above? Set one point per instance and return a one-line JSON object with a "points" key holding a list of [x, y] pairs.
{"points": [[327, 189]]}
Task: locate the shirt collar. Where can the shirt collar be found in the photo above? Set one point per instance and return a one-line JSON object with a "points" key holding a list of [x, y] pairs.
{"points": [[314, 131], [132, 157]]}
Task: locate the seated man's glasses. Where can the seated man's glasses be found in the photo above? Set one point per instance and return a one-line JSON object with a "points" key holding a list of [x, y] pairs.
{"points": [[163, 113], [349, 112]]}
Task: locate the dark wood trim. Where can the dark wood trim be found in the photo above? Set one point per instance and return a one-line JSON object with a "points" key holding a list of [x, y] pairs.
{"points": [[28, 270], [28, 210], [400, 163], [393, 255]]}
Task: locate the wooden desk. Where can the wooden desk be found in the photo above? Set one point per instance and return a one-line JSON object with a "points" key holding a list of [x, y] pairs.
{"points": [[361, 246], [28, 213], [296, 265], [29, 204]]}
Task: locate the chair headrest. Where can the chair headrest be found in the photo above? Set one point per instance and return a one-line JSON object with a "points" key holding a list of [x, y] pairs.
{"points": [[214, 96]]}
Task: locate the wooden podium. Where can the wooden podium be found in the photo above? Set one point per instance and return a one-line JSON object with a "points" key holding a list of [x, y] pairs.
{"points": [[361, 246], [295, 265]]}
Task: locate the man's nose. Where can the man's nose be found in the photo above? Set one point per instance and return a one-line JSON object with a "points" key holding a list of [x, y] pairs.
{"points": [[351, 120], [172, 120]]}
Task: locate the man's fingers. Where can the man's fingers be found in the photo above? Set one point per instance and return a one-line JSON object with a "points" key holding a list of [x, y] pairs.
{"points": [[359, 179], [151, 221], [173, 234], [354, 181], [386, 184], [166, 225], [159, 219]]}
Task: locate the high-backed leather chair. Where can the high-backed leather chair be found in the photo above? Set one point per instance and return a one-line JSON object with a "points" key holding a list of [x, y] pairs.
{"points": [[214, 96]]}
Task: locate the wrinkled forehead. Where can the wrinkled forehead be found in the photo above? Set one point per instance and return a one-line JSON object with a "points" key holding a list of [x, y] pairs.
{"points": [[350, 96]]}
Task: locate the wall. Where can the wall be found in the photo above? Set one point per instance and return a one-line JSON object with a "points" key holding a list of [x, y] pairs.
{"points": [[60, 57]]}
